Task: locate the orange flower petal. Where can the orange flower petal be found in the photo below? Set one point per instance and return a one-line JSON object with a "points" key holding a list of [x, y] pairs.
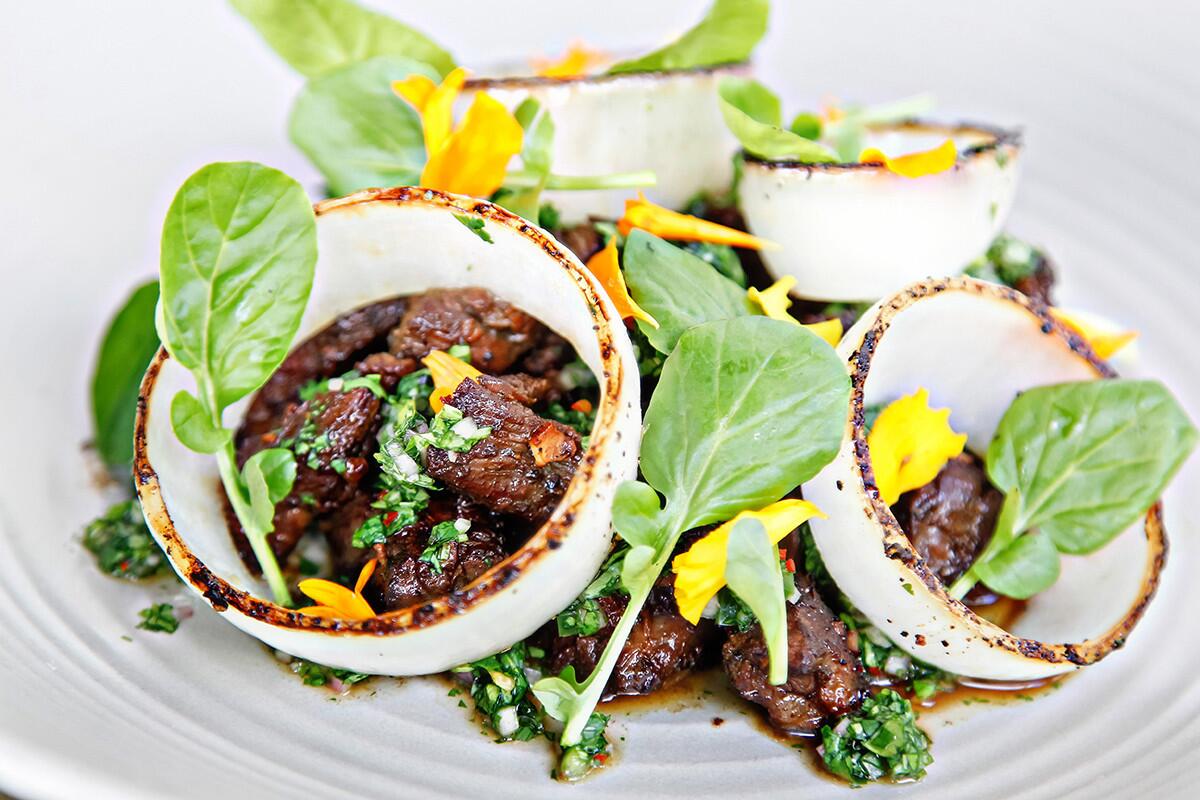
{"points": [[474, 159], [1106, 340], [447, 373], [578, 60], [364, 575], [606, 269], [915, 165], [663, 222], [584, 406], [342, 602]]}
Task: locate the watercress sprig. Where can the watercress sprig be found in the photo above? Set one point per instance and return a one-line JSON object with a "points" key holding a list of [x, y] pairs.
{"points": [[772, 418], [239, 247], [1078, 463]]}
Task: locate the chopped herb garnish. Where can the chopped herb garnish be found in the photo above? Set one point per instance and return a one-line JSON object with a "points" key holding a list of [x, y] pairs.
{"points": [[308, 568], [444, 534], [548, 217], [314, 674], [501, 693], [460, 351], [581, 421], [591, 752], [122, 543], [881, 740], [732, 612], [584, 616], [159, 618], [451, 430], [475, 226], [346, 383]]}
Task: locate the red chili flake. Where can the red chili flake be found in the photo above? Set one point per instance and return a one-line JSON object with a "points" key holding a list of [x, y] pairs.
{"points": [[790, 565], [390, 517], [782, 555], [875, 670], [124, 566], [584, 406], [601, 758]]}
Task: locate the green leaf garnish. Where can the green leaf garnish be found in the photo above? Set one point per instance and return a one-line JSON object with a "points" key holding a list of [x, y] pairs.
{"points": [[317, 36], [124, 354], [770, 382], [728, 33], [475, 226], [1079, 462], [356, 130], [657, 272], [753, 115], [238, 250], [159, 618], [752, 572]]}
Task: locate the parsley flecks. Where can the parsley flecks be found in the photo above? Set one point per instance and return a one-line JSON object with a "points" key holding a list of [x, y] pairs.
{"points": [[444, 534], [348, 382], [501, 693], [591, 752], [122, 543], [159, 618], [581, 421], [584, 616], [313, 674], [881, 657], [454, 432], [882, 740], [475, 226], [732, 612]]}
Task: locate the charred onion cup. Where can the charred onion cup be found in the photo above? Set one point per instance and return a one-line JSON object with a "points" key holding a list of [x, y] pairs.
{"points": [[974, 346], [858, 232], [666, 121], [377, 244]]}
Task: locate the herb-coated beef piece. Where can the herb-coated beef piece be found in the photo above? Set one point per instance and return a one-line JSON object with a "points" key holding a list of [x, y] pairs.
{"points": [[950, 519], [403, 578], [523, 466], [328, 353], [332, 436], [661, 646], [825, 677], [497, 332]]}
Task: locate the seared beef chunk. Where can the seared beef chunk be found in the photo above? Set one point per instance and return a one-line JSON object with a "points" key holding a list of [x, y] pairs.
{"points": [[403, 579], [950, 519], [1040, 283], [520, 388], [825, 677], [328, 353], [332, 436], [503, 472], [661, 646], [388, 367], [497, 332], [548, 356], [582, 239]]}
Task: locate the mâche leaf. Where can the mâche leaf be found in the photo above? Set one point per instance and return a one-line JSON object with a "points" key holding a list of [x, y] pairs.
{"points": [[1078, 463], [728, 33], [1089, 458], [775, 400], [678, 289], [752, 572], [238, 250], [356, 130], [316, 36], [752, 114], [125, 352]]}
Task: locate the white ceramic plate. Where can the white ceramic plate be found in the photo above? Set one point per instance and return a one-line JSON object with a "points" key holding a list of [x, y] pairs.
{"points": [[109, 106]]}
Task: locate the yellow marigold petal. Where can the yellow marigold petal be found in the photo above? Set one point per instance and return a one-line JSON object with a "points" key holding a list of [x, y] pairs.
{"points": [[830, 330], [605, 267], [700, 572], [474, 160], [324, 612], [774, 300], [578, 60], [447, 373], [1106, 340], [438, 114], [416, 89], [915, 165], [910, 443], [343, 603], [663, 222]]}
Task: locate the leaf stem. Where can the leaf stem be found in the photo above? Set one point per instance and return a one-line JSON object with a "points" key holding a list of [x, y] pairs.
{"points": [[259, 543], [520, 179]]}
